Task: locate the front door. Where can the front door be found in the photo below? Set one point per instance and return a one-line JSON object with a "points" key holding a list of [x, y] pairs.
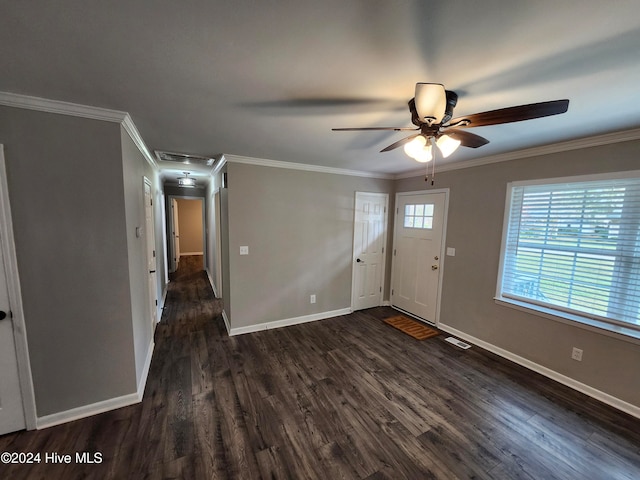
{"points": [[369, 240], [419, 229], [11, 409]]}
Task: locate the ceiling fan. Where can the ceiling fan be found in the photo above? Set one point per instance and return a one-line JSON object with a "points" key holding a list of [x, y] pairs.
{"points": [[432, 114]]}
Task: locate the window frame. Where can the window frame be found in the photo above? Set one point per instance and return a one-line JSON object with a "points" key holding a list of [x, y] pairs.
{"points": [[627, 331]]}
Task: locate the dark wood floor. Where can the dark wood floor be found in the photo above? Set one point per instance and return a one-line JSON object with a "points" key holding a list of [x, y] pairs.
{"points": [[344, 398]]}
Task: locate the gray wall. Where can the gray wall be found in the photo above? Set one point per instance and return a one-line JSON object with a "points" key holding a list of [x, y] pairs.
{"points": [[476, 209], [298, 226], [135, 168], [66, 190]]}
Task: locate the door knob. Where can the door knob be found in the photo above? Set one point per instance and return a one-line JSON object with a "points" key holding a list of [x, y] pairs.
{"points": [[3, 315], [434, 267], [358, 260]]}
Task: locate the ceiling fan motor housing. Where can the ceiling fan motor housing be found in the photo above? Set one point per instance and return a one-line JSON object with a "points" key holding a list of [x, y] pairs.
{"points": [[452, 101]]}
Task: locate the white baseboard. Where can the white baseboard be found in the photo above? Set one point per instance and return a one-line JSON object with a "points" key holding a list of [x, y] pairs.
{"points": [[186, 254], [145, 371], [100, 407], [547, 372], [213, 285], [288, 322], [86, 411], [226, 322]]}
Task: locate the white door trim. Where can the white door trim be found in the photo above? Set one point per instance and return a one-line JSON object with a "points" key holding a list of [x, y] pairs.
{"points": [[442, 246], [218, 235], [170, 198], [385, 196], [156, 312], [15, 298]]}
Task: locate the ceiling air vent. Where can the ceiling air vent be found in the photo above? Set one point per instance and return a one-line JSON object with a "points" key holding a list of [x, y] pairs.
{"points": [[184, 159]]}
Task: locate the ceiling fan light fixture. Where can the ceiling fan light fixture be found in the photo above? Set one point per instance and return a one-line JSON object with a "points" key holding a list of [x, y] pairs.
{"points": [[431, 101], [447, 145], [424, 155], [414, 146]]}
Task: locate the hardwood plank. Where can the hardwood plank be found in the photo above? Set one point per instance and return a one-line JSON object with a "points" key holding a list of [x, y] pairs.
{"points": [[344, 398]]}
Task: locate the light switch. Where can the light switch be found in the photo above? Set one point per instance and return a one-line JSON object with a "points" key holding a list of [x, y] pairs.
{"points": [[451, 252], [244, 250]]}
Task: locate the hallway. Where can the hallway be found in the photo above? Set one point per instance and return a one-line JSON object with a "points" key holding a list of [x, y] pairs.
{"points": [[347, 397]]}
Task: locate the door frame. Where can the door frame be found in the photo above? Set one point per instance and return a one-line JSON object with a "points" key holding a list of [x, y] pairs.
{"points": [[205, 250], [15, 298], [156, 310], [442, 247], [217, 209], [173, 262], [385, 251]]}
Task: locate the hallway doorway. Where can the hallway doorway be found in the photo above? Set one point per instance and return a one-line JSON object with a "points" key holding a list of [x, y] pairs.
{"points": [[186, 230]]}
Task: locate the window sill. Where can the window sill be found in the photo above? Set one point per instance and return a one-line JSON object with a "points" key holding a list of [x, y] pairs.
{"points": [[603, 328]]}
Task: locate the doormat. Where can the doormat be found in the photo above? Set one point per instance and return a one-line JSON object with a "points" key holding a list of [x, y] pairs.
{"points": [[416, 329]]}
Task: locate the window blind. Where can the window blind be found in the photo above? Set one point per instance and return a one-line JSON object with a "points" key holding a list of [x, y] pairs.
{"points": [[575, 247]]}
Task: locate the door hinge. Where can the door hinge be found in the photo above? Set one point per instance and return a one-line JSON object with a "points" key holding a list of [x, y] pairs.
{"points": [[392, 291], [380, 289], [154, 254], [394, 252], [156, 303]]}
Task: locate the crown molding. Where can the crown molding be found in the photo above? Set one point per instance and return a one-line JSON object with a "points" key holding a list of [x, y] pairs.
{"points": [[221, 162], [303, 166], [586, 142], [63, 108], [133, 132], [82, 111]]}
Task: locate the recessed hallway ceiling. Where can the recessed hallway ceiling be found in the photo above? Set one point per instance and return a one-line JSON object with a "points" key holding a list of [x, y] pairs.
{"points": [[270, 79]]}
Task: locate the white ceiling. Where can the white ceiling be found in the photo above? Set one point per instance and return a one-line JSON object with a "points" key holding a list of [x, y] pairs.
{"points": [[269, 79]]}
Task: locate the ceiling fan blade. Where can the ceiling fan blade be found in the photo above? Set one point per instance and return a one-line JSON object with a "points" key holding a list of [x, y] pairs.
{"points": [[397, 129], [431, 101], [399, 143], [467, 139], [512, 114]]}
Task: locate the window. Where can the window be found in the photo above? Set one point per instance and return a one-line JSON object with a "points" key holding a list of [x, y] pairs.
{"points": [[573, 246], [418, 216]]}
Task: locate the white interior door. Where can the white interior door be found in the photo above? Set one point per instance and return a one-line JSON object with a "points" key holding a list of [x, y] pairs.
{"points": [[369, 239], [11, 406], [419, 228], [150, 235], [175, 235]]}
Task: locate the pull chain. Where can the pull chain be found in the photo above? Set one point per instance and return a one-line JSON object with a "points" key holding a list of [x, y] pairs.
{"points": [[433, 164]]}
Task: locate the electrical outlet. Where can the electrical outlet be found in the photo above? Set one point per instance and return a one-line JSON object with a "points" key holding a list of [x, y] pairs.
{"points": [[312, 299], [244, 250], [576, 354]]}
